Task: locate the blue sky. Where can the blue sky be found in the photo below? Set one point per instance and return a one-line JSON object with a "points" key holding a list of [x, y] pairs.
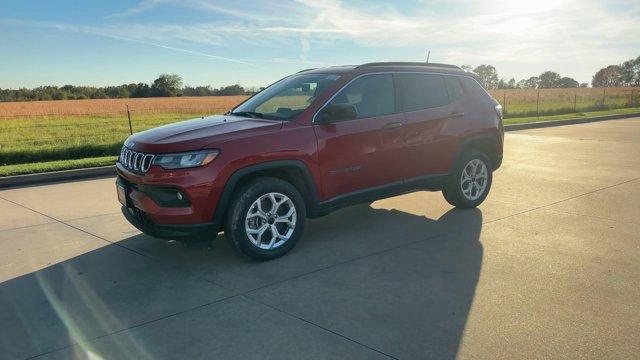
{"points": [[254, 43]]}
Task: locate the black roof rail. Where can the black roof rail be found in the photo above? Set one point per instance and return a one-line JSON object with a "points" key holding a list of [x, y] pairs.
{"points": [[301, 71], [448, 66]]}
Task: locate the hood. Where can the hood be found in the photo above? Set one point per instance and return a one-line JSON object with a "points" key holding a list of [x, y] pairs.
{"points": [[198, 133]]}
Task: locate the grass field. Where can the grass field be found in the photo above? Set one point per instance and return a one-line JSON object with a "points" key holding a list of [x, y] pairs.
{"points": [[543, 102], [76, 129], [61, 108], [54, 135]]}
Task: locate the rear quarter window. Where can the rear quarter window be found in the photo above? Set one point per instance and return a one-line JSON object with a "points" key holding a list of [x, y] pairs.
{"points": [[422, 91], [471, 87]]}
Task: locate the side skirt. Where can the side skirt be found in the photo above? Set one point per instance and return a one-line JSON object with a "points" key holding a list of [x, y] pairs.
{"points": [[420, 183]]}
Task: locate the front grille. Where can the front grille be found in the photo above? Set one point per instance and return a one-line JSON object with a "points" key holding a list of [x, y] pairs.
{"points": [[135, 161]]}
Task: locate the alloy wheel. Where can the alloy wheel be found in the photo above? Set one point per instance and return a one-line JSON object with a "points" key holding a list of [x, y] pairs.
{"points": [[473, 180], [270, 221]]}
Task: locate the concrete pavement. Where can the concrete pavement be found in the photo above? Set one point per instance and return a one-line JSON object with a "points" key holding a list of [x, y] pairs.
{"points": [[547, 267]]}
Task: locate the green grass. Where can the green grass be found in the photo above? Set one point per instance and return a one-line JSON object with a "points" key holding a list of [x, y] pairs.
{"points": [[557, 103], [520, 120], [24, 140], [32, 145], [39, 167]]}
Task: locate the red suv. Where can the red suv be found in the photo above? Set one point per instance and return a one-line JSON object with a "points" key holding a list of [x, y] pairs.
{"points": [[309, 144]]}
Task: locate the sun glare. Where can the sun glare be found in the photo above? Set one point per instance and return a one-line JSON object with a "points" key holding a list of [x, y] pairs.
{"points": [[529, 7]]}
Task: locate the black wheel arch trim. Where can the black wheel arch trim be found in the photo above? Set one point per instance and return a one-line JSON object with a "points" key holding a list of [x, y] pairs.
{"points": [[234, 179], [464, 144]]}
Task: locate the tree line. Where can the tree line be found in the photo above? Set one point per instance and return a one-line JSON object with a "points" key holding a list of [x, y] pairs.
{"points": [[624, 74], [164, 85]]}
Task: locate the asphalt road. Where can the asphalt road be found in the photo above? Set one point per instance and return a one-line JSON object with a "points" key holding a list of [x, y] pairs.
{"points": [[547, 267]]}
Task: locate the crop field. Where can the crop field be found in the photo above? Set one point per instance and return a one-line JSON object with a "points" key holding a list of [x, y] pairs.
{"points": [[543, 102], [49, 135], [60, 108], [75, 129]]}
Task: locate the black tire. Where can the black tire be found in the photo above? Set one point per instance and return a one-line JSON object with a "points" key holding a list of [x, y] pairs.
{"points": [[452, 191], [237, 214]]}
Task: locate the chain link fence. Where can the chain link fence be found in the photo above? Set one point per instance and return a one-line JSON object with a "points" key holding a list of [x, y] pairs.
{"points": [[544, 102]]}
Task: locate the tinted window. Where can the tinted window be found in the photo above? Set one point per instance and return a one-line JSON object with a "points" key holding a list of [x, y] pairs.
{"points": [[471, 87], [288, 97], [454, 87], [371, 95], [422, 91]]}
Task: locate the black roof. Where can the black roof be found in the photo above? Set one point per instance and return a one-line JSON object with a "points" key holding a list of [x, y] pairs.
{"points": [[348, 68], [399, 63]]}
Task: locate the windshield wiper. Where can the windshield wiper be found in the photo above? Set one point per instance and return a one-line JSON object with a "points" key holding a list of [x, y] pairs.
{"points": [[251, 114]]}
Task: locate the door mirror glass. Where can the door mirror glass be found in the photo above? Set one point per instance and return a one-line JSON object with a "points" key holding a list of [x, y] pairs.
{"points": [[337, 112]]}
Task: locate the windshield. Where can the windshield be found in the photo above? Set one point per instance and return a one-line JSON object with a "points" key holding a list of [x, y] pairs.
{"points": [[287, 98]]}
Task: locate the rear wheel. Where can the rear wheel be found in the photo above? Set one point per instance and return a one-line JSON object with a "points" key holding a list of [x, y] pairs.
{"points": [[470, 181], [266, 218]]}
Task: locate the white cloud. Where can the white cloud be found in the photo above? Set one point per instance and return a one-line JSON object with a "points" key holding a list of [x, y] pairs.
{"points": [[549, 34], [140, 8]]}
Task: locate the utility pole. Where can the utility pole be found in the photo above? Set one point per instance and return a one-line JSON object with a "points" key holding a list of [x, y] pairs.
{"points": [[428, 55]]}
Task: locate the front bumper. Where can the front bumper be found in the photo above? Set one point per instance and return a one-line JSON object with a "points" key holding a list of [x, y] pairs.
{"points": [[153, 193], [150, 204], [142, 222]]}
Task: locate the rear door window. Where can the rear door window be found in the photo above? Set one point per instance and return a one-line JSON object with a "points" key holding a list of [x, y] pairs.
{"points": [[454, 88], [422, 91], [371, 95]]}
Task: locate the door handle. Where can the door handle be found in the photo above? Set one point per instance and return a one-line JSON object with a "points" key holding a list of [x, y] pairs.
{"points": [[392, 125], [455, 115]]}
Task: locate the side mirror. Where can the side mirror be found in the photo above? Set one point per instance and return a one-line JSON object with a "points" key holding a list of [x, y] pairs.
{"points": [[337, 112]]}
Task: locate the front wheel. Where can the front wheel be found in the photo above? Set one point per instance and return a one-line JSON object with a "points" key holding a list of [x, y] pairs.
{"points": [[470, 181], [266, 218]]}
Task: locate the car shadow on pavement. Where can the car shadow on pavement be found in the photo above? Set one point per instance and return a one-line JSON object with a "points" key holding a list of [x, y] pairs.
{"points": [[400, 283]]}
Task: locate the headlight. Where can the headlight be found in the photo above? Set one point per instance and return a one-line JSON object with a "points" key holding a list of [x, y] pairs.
{"points": [[185, 159]]}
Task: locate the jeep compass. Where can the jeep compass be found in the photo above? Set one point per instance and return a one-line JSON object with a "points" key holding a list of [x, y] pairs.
{"points": [[309, 144]]}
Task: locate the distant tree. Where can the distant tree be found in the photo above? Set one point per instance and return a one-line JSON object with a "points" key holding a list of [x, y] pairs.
{"points": [[466, 67], [567, 82], [118, 92], [549, 79], [530, 83], [198, 91], [99, 94], [630, 72], [167, 85], [68, 88], [584, 85], [139, 90], [503, 84], [608, 77], [487, 75], [252, 90], [230, 90]]}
